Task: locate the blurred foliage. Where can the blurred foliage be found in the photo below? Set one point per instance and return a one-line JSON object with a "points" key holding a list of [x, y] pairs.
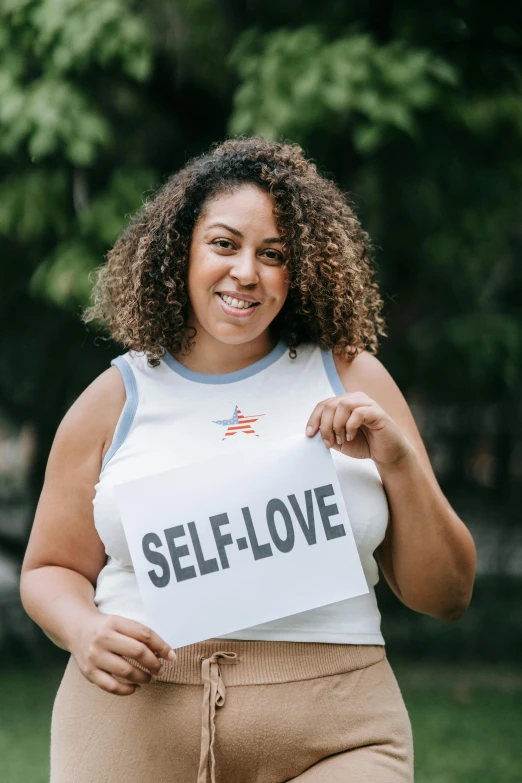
{"points": [[296, 81], [415, 109], [48, 47]]}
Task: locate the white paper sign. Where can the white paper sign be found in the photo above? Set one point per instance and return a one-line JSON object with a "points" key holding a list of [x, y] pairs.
{"points": [[228, 543]]}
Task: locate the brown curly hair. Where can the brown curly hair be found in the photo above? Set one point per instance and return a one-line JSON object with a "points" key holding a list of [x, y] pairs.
{"points": [[333, 300]]}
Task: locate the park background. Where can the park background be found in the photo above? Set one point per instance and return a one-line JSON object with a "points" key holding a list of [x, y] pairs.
{"points": [[416, 111]]}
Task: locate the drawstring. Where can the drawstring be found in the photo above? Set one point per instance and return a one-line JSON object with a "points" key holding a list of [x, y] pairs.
{"points": [[213, 696]]}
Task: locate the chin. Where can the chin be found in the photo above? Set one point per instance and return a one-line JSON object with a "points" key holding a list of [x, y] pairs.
{"points": [[236, 335], [234, 339]]}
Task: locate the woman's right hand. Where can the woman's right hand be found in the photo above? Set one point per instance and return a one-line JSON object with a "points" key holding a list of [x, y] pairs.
{"points": [[103, 640]]}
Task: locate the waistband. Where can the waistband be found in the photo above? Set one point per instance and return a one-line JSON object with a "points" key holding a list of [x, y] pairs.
{"points": [[264, 662]]}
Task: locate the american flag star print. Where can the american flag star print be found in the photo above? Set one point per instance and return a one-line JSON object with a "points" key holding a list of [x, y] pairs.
{"points": [[238, 423]]}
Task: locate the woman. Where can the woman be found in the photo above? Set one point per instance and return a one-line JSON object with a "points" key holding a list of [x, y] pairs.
{"points": [[243, 286]]}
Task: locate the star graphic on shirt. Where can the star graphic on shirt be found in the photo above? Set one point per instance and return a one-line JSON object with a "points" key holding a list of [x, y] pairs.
{"points": [[238, 423]]}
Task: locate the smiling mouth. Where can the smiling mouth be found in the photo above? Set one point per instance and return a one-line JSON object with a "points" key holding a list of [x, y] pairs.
{"points": [[240, 304]]}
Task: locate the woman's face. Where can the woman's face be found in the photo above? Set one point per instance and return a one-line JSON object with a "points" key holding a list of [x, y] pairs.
{"points": [[236, 282]]}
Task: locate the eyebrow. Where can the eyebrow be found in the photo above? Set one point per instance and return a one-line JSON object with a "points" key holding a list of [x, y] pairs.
{"points": [[239, 234]]}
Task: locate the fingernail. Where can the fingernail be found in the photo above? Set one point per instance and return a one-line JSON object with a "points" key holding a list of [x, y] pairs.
{"points": [[348, 436], [309, 430], [339, 440], [172, 655], [326, 443]]}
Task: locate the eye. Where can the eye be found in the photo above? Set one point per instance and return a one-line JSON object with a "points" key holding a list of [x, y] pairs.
{"points": [[276, 258], [220, 241]]}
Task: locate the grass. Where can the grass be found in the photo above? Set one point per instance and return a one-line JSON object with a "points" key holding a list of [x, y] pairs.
{"points": [[26, 700], [466, 723]]}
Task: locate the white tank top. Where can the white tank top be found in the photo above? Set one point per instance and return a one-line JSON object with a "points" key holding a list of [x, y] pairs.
{"points": [[173, 416]]}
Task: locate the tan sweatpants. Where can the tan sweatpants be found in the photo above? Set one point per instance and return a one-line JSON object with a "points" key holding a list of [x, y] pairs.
{"points": [[239, 712]]}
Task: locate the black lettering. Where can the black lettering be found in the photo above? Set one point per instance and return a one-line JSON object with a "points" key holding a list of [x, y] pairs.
{"points": [[276, 506], [205, 566], [335, 531], [308, 529], [157, 558], [260, 550], [221, 540], [177, 552]]}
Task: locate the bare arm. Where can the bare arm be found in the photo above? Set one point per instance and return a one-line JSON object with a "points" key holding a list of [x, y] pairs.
{"points": [[428, 556], [65, 554]]}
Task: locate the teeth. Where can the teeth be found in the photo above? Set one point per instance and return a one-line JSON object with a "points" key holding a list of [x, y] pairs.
{"points": [[241, 304]]}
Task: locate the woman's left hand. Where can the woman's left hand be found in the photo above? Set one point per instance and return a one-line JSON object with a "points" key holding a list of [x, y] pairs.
{"points": [[357, 426]]}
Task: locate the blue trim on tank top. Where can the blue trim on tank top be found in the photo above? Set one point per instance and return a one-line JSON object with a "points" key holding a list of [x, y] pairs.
{"points": [[331, 372], [129, 409], [228, 377]]}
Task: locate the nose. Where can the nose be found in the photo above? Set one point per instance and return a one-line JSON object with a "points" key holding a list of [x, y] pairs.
{"points": [[244, 268]]}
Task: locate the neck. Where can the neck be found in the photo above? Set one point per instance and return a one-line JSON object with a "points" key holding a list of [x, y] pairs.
{"points": [[213, 357]]}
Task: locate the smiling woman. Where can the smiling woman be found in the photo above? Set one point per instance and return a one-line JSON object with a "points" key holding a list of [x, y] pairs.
{"points": [[242, 289]]}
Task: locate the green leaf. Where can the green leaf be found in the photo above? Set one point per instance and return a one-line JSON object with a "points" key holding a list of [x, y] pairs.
{"points": [[63, 278], [33, 204], [295, 81]]}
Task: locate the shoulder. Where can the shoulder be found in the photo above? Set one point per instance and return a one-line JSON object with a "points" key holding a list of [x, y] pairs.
{"points": [[89, 423], [366, 372]]}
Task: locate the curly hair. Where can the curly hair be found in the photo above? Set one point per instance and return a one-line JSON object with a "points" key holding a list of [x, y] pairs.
{"points": [[333, 300]]}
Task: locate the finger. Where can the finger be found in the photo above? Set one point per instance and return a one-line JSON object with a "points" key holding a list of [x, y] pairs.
{"points": [[341, 416], [146, 636], [358, 416], [107, 683], [120, 667], [312, 426], [326, 424], [138, 651]]}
